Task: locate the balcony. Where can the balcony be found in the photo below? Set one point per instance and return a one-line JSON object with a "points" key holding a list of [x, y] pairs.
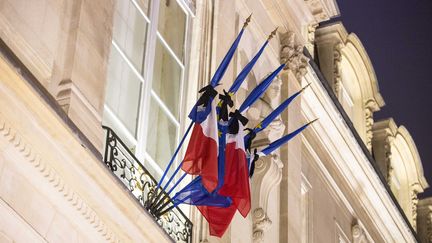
{"points": [[141, 184]]}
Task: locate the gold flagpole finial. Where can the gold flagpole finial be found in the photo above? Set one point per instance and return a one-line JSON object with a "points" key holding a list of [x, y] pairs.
{"points": [[247, 21], [312, 121], [305, 87], [272, 34]]}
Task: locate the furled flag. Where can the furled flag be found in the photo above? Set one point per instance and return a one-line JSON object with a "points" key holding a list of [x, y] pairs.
{"points": [[278, 143], [197, 193], [236, 178], [201, 154], [266, 121], [235, 182]]}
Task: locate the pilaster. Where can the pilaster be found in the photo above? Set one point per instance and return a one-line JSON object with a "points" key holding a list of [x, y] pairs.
{"points": [[290, 187], [424, 220]]}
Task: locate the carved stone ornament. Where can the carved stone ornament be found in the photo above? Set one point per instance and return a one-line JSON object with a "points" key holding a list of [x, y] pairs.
{"points": [[414, 202], [292, 54], [388, 154], [370, 107], [268, 169], [311, 38], [316, 8], [260, 224], [358, 234], [429, 227], [337, 70]]}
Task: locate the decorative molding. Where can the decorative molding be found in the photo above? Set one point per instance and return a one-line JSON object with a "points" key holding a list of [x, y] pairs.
{"points": [[429, 227], [359, 234], [369, 109], [337, 136], [322, 10], [53, 178], [310, 45], [292, 54], [415, 190], [261, 223], [337, 69], [63, 94]]}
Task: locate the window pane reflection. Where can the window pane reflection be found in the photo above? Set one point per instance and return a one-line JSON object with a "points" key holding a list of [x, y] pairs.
{"points": [[123, 91], [166, 79], [172, 25], [129, 32], [145, 6], [161, 137]]}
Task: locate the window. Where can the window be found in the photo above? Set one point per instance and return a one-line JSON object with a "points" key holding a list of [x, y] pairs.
{"points": [[145, 79]]}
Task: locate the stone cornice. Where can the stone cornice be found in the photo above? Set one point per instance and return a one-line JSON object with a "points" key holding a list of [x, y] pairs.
{"points": [[338, 139]]}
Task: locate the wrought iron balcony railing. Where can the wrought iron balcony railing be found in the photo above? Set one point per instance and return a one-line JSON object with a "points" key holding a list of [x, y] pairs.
{"points": [[142, 185]]}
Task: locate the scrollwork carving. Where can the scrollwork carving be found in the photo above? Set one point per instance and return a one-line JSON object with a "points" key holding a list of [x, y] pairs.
{"points": [[358, 234], [311, 38], [292, 54], [337, 69], [388, 155], [414, 202], [429, 227], [316, 8], [370, 107], [260, 224]]}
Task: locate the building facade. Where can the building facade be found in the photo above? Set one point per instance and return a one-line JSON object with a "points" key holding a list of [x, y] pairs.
{"points": [[94, 100]]}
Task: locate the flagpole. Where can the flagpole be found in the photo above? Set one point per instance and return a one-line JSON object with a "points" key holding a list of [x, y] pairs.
{"points": [[233, 88], [170, 163], [156, 206]]}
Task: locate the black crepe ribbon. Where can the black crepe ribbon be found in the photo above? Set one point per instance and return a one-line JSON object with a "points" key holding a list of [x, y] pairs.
{"points": [[251, 136], [226, 101], [252, 167], [233, 127], [208, 93]]}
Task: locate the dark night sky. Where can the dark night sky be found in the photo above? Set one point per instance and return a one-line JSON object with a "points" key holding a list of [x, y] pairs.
{"points": [[397, 35]]}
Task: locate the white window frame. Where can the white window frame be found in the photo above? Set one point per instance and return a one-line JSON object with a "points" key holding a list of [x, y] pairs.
{"points": [[146, 77]]}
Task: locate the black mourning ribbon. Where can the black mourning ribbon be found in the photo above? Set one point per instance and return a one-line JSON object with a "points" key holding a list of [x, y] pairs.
{"points": [[226, 101], [208, 93], [233, 127], [252, 167], [251, 136]]}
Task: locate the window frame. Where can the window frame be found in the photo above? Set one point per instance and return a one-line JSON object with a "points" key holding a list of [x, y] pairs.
{"points": [[146, 78]]}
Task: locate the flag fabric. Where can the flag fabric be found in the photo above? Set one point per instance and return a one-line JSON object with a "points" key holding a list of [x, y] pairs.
{"points": [[201, 154], [236, 179], [246, 70], [222, 186], [281, 141], [196, 194], [201, 157], [226, 97], [233, 170], [267, 120], [225, 62], [259, 90]]}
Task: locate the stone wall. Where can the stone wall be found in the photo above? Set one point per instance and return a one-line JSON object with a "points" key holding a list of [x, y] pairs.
{"points": [[65, 44]]}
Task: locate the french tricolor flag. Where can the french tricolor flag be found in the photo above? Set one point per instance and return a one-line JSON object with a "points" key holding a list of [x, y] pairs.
{"points": [[202, 152], [236, 179], [235, 185]]}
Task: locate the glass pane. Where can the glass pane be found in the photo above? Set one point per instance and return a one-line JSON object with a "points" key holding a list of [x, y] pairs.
{"points": [[172, 25], [166, 79], [152, 170], [145, 6], [123, 91], [161, 137], [129, 32]]}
